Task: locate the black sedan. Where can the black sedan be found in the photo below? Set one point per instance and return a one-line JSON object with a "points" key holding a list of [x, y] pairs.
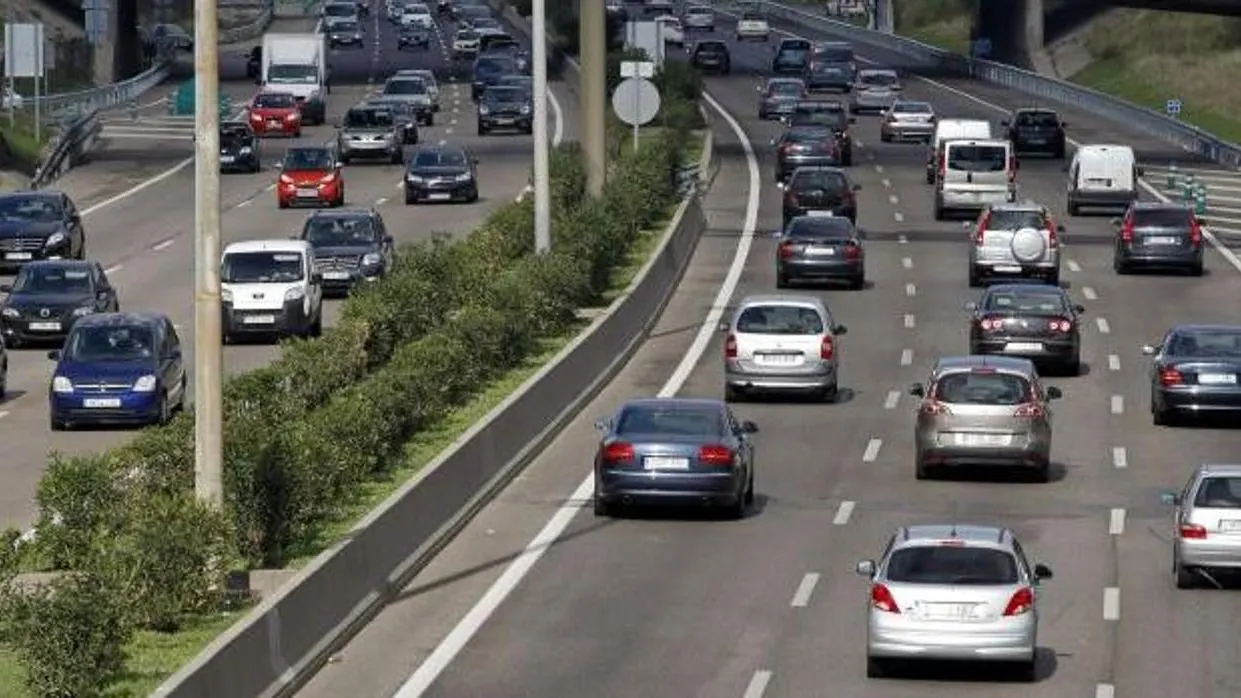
{"points": [[674, 450], [351, 247], [820, 249], [1037, 130], [441, 173], [1155, 235], [239, 148], [42, 224], [819, 191], [711, 57], [827, 113], [1032, 321], [1195, 372], [806, 146], [48, 297]]}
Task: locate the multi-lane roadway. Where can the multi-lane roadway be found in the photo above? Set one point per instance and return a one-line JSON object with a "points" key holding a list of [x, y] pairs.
{"points": [[144, 235], [537, 597]]}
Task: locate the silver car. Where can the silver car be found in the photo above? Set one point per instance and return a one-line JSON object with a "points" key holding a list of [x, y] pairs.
{"points": [[906, 120], [428, 78], [1207, 525], [370, 131], [779, 97], [1014, 241], [414, 91], [875, 90], [953, 592], [781, 343], [698, 18], [983, 411]]}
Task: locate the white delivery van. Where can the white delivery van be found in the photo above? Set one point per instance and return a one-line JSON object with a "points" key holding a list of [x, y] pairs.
{"points": [[270, 288], [953, 129], [297, 63], [975, 174], [1104, 176]]}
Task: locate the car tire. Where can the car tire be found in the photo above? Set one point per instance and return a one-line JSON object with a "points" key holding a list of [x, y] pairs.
{"points": [[165, 410], [1041, 473], [602, 509], [736, 510], [885, 138], [1073, 209], [316, 329], [1074, 366], [258, 167], [975, 278], [1162, 418], [430, 120], [749, 490], [345, 160], [1026, 672], [939, 211], [282, 203], [782, 281], [857, 283], [731, 394], [1119, 266], [1196, 270], [56, 424], [482, 131], [876, 668], [829, 393], [1183, 577], [921, 471]]}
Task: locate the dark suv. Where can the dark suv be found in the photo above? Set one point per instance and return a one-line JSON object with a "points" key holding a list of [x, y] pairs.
{"points": [[824, 189], [1158, 235], [711, 57], [351, 246], [791, 57], [1037, 130]]}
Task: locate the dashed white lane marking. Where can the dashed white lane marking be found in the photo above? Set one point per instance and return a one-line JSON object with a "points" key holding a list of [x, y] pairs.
{"points": [[872, 450], [902, 239], [1113, 362], [1120, 457], [162, 245], [907, 357], [448, 130], [4, 413], [893, 199], [758, 684], [911, 290], [443, 142], [400, 184], [1105, 690], [1118, 404], [801, 597], [900, 217], [879, 169], [1104, 328], [843, 512], [910, 321], [453, 122], [113, 269], [1089, 293], [859, 144], [907, 262], [245, 203], [890, 402], [1111, 603], [381, 201], [1116, 522], [270, 187], [1074, 266], [887, 183]]}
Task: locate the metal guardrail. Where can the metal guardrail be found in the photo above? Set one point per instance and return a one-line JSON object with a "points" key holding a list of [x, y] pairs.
{"points": [[1188, 137], [69, 149]]}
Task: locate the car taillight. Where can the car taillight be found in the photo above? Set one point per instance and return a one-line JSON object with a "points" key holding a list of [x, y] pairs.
{"points": [[853, 251], [981, 232], [1053, 237], [933, 409], [790, 198], [730, 347], [943, 166], [1171, 376], [1193, 531], [618, 452], [1031, 410], [827, 349], [1195, 232], [715, 455], [1061, 325], [1022, 602], [991, 324], [786, 250], [882, 599], [1126, 231], [285, 179]]}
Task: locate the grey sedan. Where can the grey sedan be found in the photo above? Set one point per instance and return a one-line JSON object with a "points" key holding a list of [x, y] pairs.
{"points": [[779, 97], [1195, 372], [674, 450]]}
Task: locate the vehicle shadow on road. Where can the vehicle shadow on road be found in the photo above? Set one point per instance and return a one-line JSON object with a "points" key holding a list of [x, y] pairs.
{"points": [[11, 395], [1057, 471], [1045, 661]]}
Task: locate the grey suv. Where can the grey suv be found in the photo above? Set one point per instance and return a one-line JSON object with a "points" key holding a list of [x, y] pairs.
{"points": [[1013, 241], [370, 131]]}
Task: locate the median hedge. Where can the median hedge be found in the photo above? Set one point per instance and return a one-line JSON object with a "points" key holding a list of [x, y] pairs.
{"points": [[303, 434]]}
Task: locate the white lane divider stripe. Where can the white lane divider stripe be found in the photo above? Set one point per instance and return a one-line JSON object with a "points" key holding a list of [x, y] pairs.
{"points": [[907, 262], [911, 290], [1120, 457], [900, 217], [1105, 690], [1118, 404], [909, 321], [1104, 327], [1089, 293], [907, 357], [1113, 362], [801, 597], [1116, 522], [1111, 603], [893, 398], [872, 450], [843, 512], [1074, 266], [162, 245], [758, 685]]}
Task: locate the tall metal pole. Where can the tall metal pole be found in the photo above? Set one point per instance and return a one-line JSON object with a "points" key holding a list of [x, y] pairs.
{"points": [[208, 351], [592, 38], [542, 165]]}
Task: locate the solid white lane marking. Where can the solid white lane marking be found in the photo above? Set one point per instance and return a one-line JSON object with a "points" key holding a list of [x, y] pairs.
{"points": [[909, 320], [113, 269], [801, 597], [907, 262], [892, 400], [1120, 457], [893, 199], [1116, 522], [1118, 404], [139, 187], [245, 203], [1074, 266], [161, 246], [843, 512], [907, 357], [872, 450], [902, 239], [381, 201], [1111, 603], [425, 675], [1104, 328], [1113, 362], [900, 217], [758, 685], [1089, 293], [911, 290], [1105, 690]]}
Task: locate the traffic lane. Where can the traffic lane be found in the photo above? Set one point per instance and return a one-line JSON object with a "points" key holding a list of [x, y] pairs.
{"points": [[390, 647]]}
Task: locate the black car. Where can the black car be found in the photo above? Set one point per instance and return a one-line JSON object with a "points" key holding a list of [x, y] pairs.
{"points": [[239, 148], [1156, 235], [406, 116], [412, 37], [344, 32], [711, 57], [254, 63], [820, 248], [505, 108], [41, 224], [791, 57], [820, 191], [801, 146], [441, 173], [1195, 372], [49, 296], [488, 71], [1032, 321], [830, 114], [503, 45], [1037, 130], [831, 67], [351, 247]]}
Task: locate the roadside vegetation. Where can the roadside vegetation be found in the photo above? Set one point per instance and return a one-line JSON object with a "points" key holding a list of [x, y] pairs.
{"points": [[943, 23]]}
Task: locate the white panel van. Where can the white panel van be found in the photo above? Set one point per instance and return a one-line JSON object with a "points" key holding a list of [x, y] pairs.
{"points": [[975, 174], [1103, 176], [953, 129]]}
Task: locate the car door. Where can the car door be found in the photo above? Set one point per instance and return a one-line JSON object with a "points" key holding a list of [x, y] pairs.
{"points": [[172, 362], [105, 296]]}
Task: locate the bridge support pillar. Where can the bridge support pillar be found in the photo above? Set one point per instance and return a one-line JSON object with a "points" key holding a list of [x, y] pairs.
{"points": [[103, 60]]}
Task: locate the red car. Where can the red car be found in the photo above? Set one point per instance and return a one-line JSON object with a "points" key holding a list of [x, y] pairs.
{"points": [[275, 113], [310, 175]]}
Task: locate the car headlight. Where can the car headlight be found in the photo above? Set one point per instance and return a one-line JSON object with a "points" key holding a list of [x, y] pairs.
{"points": [[357, 37], [62, 385], [372, 259], [10, 312], [413, 179], [246, 150], [294, 294], [83, 311], [484, 110], [144, 384], [525, 109], [226, 295], [54, 239], [464, 177]]}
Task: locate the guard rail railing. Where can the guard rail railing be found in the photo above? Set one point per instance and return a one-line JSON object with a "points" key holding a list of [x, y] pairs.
{"points": [[69, 148]]}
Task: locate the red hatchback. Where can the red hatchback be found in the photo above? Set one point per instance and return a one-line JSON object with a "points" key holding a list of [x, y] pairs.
{"points": [[310, 175], [275, 113]]}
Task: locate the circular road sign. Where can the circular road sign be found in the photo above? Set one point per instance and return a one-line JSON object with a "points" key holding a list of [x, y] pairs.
{"points": [[636, 101]]}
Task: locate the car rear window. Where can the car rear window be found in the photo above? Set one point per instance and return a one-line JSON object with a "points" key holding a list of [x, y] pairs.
{"points": [[1206, 343], [912, 108], [785, 88], [831, 118], [878, 79], [274, 101], [1027, 301], [1038, 119], [780, 319], [1007, 219], [817, 179], [670, 420], [952, 564], [1161, 217], [833, 54], [753, 17], [1219, 493], [977, 158], [982, 388], [820, 227]]}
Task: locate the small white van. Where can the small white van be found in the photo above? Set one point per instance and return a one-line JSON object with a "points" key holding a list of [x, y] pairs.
{"points": [[975, 174], [953, 129], [270, 288], [1103, 176]]}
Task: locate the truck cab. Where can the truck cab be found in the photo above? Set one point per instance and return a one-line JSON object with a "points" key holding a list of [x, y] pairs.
{"points": [[297, 63]]}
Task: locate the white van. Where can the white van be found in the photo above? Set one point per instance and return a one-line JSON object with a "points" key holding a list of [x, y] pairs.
{"points": [[1104, 176], [270, 288], [953, 129], [975, 174]]}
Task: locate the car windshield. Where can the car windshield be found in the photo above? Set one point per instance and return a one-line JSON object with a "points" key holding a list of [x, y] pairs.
{"points": [[912, 108], [669, 420], [235, 135], [261, 267], [504, 94], [29, 209], [486, 23], [878, 79], [792, 55], [951, 564], [52, 279], [345, 26], [1041, 119], [712, 47], [977, 158], [833, 54], [110, 343], [817, 180], [368, 118], [820, 227], [1219, 493], [339, 231], [274, 100], [753, 17], [1027, 301], [405, 86], [780, 319], [807, 135], [292, 74], [493, 65], [1016, 219], [982, 388], [698, 11], [1162, 217], [1224, 343], [307, 159], [399, 108], [440, 158], [785, 88], [340, 10]]}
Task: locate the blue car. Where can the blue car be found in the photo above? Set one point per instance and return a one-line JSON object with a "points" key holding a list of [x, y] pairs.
{"points": [[117, 369]]}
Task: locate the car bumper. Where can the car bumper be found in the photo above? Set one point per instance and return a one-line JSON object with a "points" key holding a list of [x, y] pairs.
{"points": [[791, 212], [843, 84], [700, 26], [126, 409], [235, 163], [24, 329], [777, 109], [515, 123], [975, 200], [1208, 553], [337, 281], [292, 195], [13, 260], [1049, 349], [785, 167], [825, 270], [1014, 269], [1103, 199], [1199, 399], [718, 67], [907, 132], [290, 319], [824, 376], [345, 41], [648, 487], [1159, 258], [441, 192], [1032, 453], [369, 150], [1014, 643], [753, 33], [1038, 145]]}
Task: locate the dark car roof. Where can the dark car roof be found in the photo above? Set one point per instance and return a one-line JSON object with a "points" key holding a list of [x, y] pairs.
{"points": [[1036, 288], [60, 263], [345, 213], [674, 402], [120, 319], [712, 43], [308, 149], [1196, 327], [1035, 110], [440, 148], [32, 194]]}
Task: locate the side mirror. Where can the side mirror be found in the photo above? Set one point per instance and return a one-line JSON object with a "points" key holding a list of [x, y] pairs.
{"points": [[1116, 222], [1060, 228], [1053, 393], [603, 424], [917, 390], [1170, 498], [971, 306], [1042, 572], [839, 330], [749, 427], [857, 187], [1149, 349], [54, 355], [6, 288], [866, 568], [1079, 309]]}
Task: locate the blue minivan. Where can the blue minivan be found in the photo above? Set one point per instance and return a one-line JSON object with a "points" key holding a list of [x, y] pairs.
{"points": [[117, 369]]}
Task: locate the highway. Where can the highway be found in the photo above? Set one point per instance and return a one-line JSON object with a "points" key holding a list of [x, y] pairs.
{"points": [[145, 239], [770, 606]]}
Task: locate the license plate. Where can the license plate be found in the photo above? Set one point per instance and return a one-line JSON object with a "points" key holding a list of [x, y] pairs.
{"points": [[504, 120], [1230, 526], [1036, 141], [45, 326], [259, 320], [308, 193], [18, 255], [1217, 379], [439, 196], [336, 275], [273, 124], [1161, 241], [982, 439], [821, 214], [820, 251], [665, 463], [946, 611], [227, 159], [1008, 269], [1023, 346], [778, 359], [101, 402]]}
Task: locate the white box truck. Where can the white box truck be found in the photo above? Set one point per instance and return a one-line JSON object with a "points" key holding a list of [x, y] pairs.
{"points": [[297, 63]]}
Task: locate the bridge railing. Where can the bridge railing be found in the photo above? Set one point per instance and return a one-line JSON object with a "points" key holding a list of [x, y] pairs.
{"points": [[1186, 136]]}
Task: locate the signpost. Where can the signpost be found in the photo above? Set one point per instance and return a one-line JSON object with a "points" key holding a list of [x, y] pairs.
{"points": [[1173, 107], [636, 100], [23, 58]]}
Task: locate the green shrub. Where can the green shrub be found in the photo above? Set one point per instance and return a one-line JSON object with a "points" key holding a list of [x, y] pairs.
{"points": [[81, 500]]}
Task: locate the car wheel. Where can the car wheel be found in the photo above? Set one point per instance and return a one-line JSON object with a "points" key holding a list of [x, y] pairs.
{"points": [[939, 211], [736, 509], [875, 668], [1073, 209], [165, 410], [1195, 270], [56, 424], [1026, 672], [482, 131], [921, 471], [1042, 473], [975, 277], [1119, 266], [430, 120], [1161, 417], [398, 158], [181, 401], [857, 283], [731, 394], [885, 138], [1053, 279], [782, 281], [345, 160], [1184, 577], [749, 490], [829, 393], [1074, 367], [316, 329]]}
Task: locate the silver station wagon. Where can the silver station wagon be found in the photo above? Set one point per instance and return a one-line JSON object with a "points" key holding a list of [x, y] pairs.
{"points": [[781, 343]]}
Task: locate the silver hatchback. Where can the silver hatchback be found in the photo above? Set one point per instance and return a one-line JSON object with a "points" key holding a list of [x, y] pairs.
{"points": [[1207, 524], [781, 343], [953, 592], [983, 411], [1018, 240]]}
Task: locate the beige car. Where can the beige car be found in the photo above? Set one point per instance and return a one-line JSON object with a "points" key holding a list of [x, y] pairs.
{"points": [[984, 411]]}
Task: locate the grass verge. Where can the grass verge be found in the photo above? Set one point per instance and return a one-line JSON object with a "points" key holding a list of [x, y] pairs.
{"points": [[23, 148]]}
